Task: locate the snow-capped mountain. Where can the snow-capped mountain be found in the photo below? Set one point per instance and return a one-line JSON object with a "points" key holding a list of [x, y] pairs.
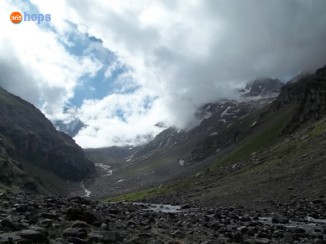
{"points": [[217, 116], [265, 87]]}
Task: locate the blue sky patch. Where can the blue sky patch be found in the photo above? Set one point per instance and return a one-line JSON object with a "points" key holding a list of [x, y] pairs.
{"points": [[114, 77]]}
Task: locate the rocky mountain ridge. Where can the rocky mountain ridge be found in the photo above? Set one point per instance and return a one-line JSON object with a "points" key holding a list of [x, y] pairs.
{"points": [[264, 87], [215, 117], [176, 152], [310, 96], [26, 135], [71, 128], [230, 132]]}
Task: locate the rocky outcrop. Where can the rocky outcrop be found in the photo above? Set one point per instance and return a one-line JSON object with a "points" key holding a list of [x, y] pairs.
{"points": [[214, 119], [308, 96], [167, 138], [262, 87], [71, 128], [35, 139]]}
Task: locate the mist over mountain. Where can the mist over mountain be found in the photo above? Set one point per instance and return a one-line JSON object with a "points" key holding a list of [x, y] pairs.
{"points": [[140, 64]]}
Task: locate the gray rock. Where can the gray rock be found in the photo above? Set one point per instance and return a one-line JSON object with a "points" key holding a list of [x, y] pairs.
{"points": [[12, 225], [46, 223], [237, 237], [111, 226], [185, 206], [277, 218], [12, 236], [83, 215], [79, 224], [288, 239], [76, 240], [32, 235], [262, 241], [104, 236], [75, 232]]}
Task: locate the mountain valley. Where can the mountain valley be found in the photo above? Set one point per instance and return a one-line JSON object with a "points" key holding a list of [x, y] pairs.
{"points": [[252, 171]]}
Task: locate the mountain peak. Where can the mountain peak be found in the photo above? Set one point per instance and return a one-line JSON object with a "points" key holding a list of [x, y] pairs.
{"points": [[309, 96], [263, 87]]}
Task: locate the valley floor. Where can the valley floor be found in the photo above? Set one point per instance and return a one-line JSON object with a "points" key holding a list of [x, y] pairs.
{"points": [[26, 218]]}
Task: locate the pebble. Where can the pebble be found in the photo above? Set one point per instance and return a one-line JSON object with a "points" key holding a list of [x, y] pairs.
{"points": [[78, 220]]}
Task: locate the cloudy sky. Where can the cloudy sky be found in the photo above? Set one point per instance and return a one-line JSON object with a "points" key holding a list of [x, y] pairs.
{"points": [[122, 66]]}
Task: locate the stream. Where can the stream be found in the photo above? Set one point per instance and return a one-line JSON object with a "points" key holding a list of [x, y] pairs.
{"points": [[164, 208], [309, 224], [87, 192]]}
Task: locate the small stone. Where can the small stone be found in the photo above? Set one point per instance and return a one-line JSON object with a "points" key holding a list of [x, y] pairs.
{"points": [[79, 224], [185, 206], [8, 223], [277, 218], [104, 236], [94, 237], [249, 241], [76, 240], [237, 237], [242, 229], [109, 235], [49, 215], [144, 235], [252, 231], [32, 235], [75, 232], [262, 241], [317, 201], [111, 226], [46, 223], [13, 237], [83, 215], [288, 239], [104, 226], [319, 241]]}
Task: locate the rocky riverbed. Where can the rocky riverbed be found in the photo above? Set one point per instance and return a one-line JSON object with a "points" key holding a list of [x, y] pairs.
{"points": [[26, 218]]}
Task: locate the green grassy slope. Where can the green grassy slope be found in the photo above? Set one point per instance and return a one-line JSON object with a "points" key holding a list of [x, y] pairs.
{"points": [[265, 165]]}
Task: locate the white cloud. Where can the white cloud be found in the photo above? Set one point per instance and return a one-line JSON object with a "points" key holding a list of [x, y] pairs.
{"points": [[118, 119], [35, 65], [185, 53]]}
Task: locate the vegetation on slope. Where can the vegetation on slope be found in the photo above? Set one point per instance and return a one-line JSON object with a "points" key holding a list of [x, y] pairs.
{"points": [[279, 154]]}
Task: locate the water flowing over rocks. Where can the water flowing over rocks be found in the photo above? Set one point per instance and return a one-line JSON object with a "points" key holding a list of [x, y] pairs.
{"points": [[26, 218]]}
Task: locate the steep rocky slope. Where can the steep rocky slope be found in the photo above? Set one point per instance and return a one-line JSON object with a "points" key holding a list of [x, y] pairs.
{"points": [[175, 153], [309, 93], [28, 138], [281, 156], [215, 118], [276, 152], [262, 87]]}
